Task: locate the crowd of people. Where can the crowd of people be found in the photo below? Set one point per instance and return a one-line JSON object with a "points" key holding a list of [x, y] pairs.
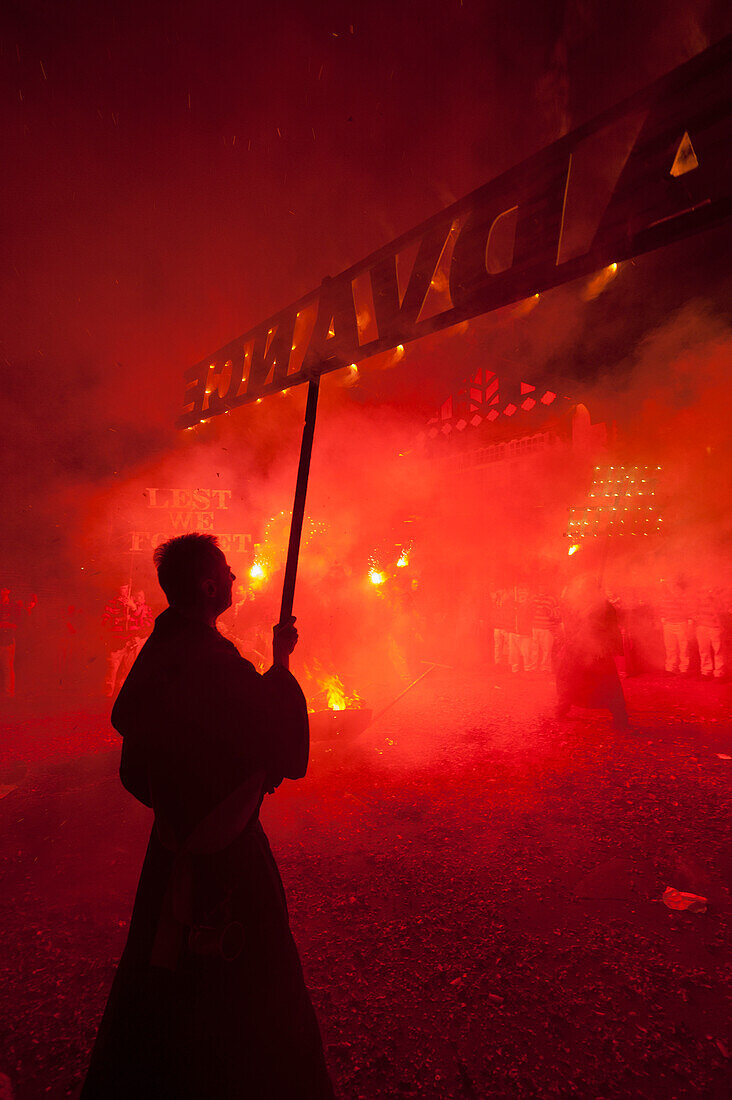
{"points": [[675, 625], [525, 628], [589, 641], [693, 617], [692, 623]]}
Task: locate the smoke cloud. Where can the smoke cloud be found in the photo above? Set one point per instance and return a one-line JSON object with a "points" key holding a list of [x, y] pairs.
{"points": [[177, 174]]}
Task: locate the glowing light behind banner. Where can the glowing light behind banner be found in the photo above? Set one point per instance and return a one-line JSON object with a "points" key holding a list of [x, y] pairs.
{"points": [[651, 171]]}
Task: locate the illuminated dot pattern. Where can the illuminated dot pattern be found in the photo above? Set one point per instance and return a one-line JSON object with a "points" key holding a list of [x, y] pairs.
{"points": [[621, 501]]}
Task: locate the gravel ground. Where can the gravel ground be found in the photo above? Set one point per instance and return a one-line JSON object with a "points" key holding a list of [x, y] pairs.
{"points": [[474, 886]]}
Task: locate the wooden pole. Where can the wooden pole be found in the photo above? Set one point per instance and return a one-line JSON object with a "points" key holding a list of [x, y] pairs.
{"points": [[298, 508]]}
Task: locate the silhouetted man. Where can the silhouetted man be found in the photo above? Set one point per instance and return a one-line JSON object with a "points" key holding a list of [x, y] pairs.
{"points": [[209, 998]]}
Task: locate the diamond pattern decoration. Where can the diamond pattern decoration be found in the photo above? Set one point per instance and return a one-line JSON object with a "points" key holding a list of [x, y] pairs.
{"points": [[484, 397]]}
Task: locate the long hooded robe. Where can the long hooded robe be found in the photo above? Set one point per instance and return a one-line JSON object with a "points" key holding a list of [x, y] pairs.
{"points": [[209, 998], [586, 671]]}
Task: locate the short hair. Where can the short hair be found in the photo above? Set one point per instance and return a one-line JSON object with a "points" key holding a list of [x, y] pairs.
{"points": [[182, 563]]}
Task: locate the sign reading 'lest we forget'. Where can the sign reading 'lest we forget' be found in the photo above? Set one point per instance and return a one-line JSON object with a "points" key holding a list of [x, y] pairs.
{"points": [[181, 511], [653, 170]]}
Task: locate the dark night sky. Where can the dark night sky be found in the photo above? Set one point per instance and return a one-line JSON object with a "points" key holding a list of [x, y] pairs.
{"points": [[175, 172]]}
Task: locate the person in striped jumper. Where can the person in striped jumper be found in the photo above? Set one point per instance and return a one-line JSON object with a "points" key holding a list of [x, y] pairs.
{"points": [[708, 618], [544, 620], [675, 611], [518, 610]]}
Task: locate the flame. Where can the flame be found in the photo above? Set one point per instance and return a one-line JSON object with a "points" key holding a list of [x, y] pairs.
{"points": [[375, 576], [256, 572], [573, 549], [335, 693]]}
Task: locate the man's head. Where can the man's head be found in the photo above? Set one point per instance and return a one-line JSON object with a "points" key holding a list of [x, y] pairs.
{"points": [[139, 597], [194, 574], [124, 591]]}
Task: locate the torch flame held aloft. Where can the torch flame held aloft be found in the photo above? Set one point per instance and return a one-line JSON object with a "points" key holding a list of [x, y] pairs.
{"points": [[256, 572], [375, 576]]}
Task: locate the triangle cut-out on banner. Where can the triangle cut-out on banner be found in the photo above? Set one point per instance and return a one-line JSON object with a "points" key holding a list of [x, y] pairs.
{"points": [[686, 159]]}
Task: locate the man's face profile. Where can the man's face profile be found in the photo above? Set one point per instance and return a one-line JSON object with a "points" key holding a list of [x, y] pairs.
{"points": [[224, 583]]}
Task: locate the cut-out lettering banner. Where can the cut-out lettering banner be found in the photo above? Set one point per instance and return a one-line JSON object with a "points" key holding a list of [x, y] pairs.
{"points": [[650, 171]]}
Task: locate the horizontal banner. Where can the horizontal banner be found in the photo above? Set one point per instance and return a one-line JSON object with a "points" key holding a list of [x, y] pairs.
{"points": [[648, 172]]}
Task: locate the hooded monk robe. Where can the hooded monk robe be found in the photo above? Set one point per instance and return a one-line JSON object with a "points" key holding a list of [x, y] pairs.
{"points": [[209, 998]]}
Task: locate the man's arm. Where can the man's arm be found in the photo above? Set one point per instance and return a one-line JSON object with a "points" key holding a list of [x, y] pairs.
{"points": [[289, 729], [135, 716]]}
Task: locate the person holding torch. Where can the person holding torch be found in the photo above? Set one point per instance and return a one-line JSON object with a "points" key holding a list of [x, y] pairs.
{"points": [[209, 997]]}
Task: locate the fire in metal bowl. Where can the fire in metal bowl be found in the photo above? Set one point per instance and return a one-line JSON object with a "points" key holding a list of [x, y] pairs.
{"points": [[333, 725]]}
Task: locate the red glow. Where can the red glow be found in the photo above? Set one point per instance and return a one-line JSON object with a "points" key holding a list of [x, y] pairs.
{"points": [[175, 173]]}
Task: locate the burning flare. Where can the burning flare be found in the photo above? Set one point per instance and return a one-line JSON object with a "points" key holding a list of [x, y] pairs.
{"points": [[335, 693]]}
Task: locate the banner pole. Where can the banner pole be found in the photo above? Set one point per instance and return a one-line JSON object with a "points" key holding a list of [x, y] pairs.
{"points": [[298, 507]]}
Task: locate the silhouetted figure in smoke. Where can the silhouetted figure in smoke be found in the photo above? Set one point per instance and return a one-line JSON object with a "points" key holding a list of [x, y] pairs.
{"points": [[209, 999], [586, 671], [621, 601], [118, 625], [11, 614]]}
